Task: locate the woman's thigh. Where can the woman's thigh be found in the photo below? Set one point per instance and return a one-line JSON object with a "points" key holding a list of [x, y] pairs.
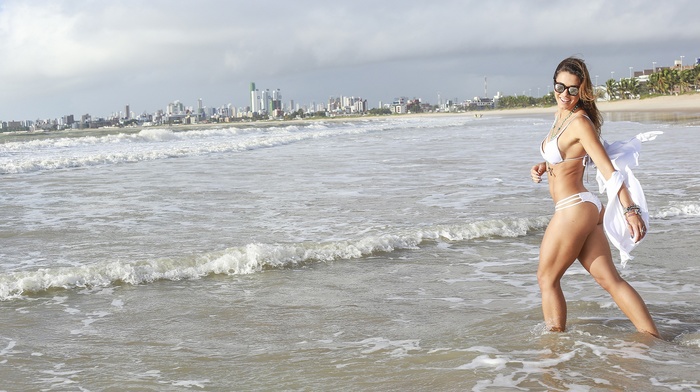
{"points": [[565, 237], [596, 258]]}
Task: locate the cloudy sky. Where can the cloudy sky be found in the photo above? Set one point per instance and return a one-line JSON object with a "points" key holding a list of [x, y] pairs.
{"points": [[61, 57]]}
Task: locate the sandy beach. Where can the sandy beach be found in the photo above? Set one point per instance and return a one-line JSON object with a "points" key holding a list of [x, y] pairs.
{"points": [[682, 103], [688, 104], [682, 108], [669, 109]]}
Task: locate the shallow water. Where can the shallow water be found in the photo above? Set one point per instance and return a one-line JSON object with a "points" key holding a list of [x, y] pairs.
{"points": [[395, 254]]}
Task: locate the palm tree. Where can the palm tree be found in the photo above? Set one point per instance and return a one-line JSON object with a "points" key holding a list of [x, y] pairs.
{"points": [[672, 78], [654, 84], [630, 87], [548, 100], [611, 88], [687, 79], [664, 81], [625, 88]]}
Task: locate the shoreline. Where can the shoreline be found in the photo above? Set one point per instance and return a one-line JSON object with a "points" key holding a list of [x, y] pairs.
{"points": [[667, 109], [688, 103], [675, 109]]}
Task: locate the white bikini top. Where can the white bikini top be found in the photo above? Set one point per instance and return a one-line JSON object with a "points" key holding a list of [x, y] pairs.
{"points": [[550, 149]]}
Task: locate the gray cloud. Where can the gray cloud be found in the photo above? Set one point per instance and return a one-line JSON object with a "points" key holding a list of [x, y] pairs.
{"points": [[79, 56]]}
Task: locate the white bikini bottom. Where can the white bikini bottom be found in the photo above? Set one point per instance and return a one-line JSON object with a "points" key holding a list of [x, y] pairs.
{"points": [[578, 198]]}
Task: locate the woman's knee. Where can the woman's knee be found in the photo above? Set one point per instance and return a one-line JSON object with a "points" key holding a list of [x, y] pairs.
{"points": [[547, 280], [610, 282], [551, 268]]}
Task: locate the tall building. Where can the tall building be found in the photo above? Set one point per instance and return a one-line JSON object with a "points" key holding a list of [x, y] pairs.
{"points": [[276, 100], [175, 108], [127, 112], [231, 110], [254, 99], [264, 98]]}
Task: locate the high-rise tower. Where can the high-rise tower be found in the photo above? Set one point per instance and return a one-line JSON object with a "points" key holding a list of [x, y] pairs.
{"points": [[254, 101], [264, 101], [486, 91]]}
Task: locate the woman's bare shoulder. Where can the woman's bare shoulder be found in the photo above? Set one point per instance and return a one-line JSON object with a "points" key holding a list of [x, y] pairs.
{"points": [[583, 126]]}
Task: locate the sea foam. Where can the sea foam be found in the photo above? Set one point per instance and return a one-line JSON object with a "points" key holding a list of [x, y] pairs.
{"points": [[678, 210], [163, 143], [252, 258]]}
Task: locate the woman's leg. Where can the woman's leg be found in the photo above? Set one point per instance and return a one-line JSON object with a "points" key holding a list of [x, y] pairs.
{"points": [[596, 258], [562, 242]]}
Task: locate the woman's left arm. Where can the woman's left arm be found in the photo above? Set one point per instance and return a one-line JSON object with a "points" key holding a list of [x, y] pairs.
{"points": [[594, 148]]}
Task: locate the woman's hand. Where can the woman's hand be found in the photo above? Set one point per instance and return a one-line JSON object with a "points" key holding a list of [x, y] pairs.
{"points": [[635, 224], [537, 171]]}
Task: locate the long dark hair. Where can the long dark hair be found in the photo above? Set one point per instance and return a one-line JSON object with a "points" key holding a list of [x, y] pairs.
{"points": [[587, 97]]}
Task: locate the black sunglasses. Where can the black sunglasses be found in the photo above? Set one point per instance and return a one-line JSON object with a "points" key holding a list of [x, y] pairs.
{"points": [[560, 87]]}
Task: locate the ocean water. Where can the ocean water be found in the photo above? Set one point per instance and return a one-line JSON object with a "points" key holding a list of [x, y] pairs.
{"points": [[390, 254]]}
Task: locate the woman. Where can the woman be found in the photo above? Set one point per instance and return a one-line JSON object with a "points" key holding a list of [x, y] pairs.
{"points": [[576, 230]]}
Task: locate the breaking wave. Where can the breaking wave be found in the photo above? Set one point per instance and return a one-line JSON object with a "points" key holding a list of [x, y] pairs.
{"points": [[150, 144], [251, 258]]}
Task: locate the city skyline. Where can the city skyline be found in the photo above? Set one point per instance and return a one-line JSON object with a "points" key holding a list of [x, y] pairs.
{"points": [[75, 57], [258, 96]]}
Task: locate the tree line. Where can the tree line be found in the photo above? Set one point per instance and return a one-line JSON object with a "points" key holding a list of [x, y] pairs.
{"points": [[666, 81]]}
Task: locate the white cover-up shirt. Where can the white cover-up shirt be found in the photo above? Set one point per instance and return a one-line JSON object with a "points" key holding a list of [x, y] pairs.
{"points": [[624, 156]]}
